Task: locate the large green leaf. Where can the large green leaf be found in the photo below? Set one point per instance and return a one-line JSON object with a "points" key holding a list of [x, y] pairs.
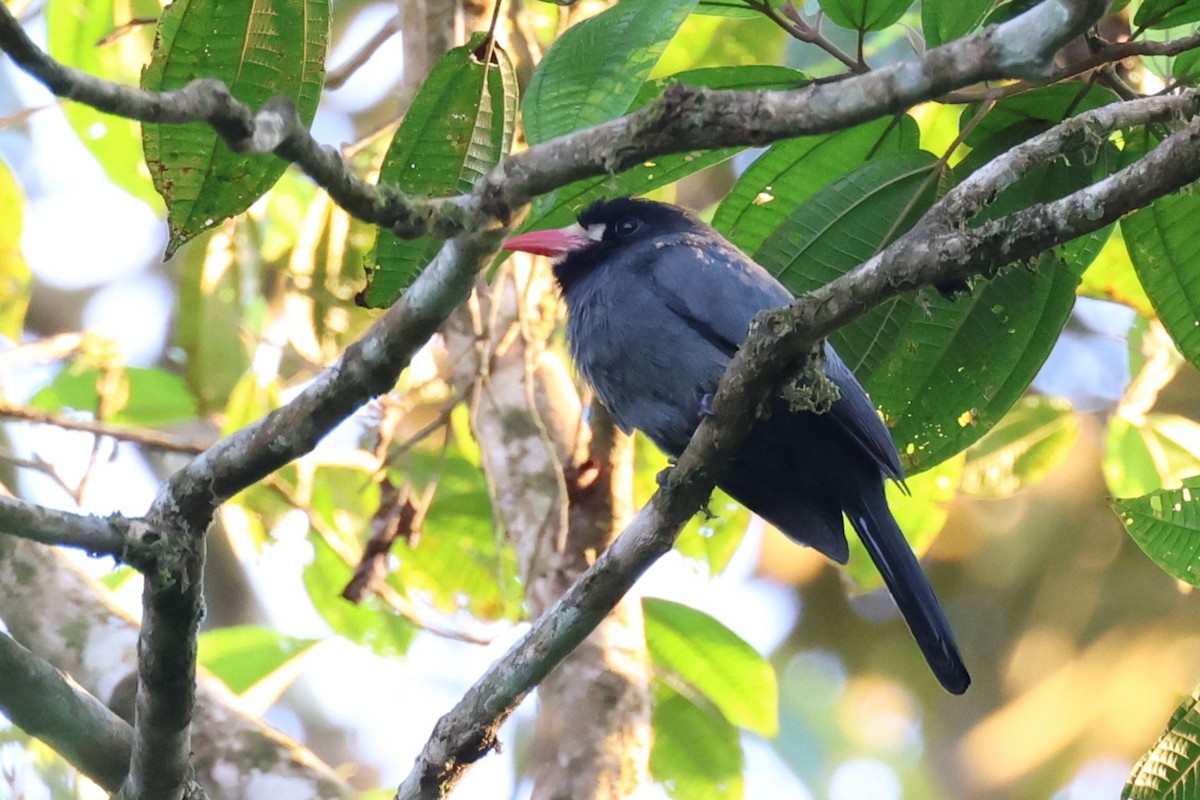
{"points": [[210, 322], [593, 72], [1156, 452], [945, 20], [700, 657], [1166, 13], [562, 205], [459, 125], [259, 48], [1170, 770], [1166, 525], [144, 396], [15, 276], [865, 15], [461, 562], [1035, 436], [943, 371], [370, 623], [1036, 110], [792, 171], [243, 655], [74, 29], [1111, 276], [696, 753], [1165, 250], [709, 41]]}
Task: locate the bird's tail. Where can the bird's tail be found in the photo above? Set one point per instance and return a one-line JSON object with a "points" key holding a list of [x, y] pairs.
{"points": [[911, 590]]}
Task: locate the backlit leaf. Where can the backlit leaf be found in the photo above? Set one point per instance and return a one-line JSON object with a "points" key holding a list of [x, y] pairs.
{"points": [[1032, 438], [259, 48], [696, 753], [459, 125], [592, 73], [695, 654], [1166, 525], [1170, 770]]}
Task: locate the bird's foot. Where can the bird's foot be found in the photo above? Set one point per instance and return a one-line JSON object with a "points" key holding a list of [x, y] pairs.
{"points": [[664, 474]]}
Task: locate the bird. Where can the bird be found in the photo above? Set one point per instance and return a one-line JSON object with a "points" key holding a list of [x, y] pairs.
{"points": [[658, 302]]}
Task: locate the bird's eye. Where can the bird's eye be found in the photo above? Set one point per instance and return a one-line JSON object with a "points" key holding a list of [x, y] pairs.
{"points": [[627, 226]]}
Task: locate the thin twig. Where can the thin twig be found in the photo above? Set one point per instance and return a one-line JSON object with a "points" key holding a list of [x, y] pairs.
{"points": [[337, 77], [142, 436], [125, 28]]}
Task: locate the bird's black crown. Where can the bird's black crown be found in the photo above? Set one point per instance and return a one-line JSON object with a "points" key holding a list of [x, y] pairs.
{"points": [[625, 217]]}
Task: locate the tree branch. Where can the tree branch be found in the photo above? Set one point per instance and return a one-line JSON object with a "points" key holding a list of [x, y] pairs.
{"points": [[47, 704], [142, 436], [337, 77], [114, 536], [683, 119], [85, 636], [172, 604]]}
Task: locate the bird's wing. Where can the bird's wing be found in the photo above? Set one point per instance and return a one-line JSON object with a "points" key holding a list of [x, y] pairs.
{"points": [[717, 290], [856, 415]]}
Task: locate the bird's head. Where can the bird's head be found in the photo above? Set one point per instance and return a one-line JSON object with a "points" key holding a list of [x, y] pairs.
{"points": [[603, 231]]}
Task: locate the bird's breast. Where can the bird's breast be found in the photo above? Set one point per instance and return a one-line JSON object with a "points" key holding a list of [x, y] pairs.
{"points": [[648, 367]]}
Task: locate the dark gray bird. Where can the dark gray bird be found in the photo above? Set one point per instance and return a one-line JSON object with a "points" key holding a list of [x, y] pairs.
{"points": [[657, 304]]}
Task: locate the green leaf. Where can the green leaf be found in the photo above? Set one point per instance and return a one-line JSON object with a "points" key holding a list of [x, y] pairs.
{"points": [[152, 397], [1032, 439], [943, 371], [1111, 276], [970, 359], [594, 70], [728, 8], [16, 279], [370, 623], [1030, 113], [1166, 525], [1166, 13], [116, 579], [1157, 452], [792, 171], [459, 125], [560, 207], [865, 15], [708, 41], [945, 20], [696, 753], [702, 658], [1186, 67], [242, 656], [1170, 770], [1162, 243], [461, 562], [210, 320], [74, 29], [259, 48]]}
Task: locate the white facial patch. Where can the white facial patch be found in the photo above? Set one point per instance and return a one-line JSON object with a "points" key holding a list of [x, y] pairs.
{"points": [[595, 232]]}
